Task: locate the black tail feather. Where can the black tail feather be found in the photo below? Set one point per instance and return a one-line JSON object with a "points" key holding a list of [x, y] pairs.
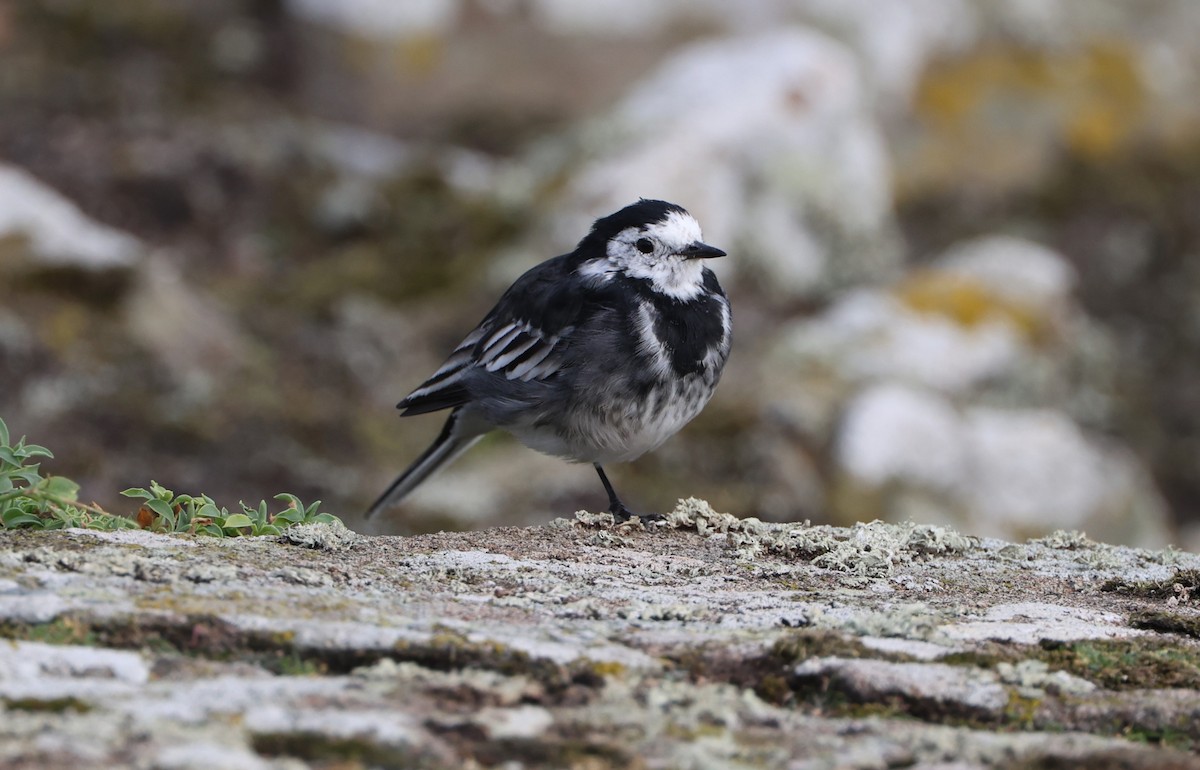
{"points": [[449, 444]]}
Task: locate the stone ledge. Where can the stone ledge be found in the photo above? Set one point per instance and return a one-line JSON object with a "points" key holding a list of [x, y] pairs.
{"points": [[708, 642]]}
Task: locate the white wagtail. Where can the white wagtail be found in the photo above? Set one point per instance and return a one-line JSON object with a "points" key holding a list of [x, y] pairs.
{"points": [[595, 356]]}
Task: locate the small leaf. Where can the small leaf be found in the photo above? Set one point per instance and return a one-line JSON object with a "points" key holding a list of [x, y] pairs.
{"points": [[161, 508], [60, 487], [237, 520], [324, 518], [121, 522], [9, 457], [163, 511], [34, 450], [259, 515], [137, 492], [3, 433], [15, 517], [289, 516]]}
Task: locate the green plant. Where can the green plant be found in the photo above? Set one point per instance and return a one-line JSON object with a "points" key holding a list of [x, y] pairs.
{"points": [[165, 511], [29, 500], [33, 501]]}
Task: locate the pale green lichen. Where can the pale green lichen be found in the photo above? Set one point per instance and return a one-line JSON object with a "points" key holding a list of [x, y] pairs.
{"points": [[912, 621], [1033, 679], [1065, 539], [875, 549], [872, 550], [592, 520], [325, 536], [697, 514]]}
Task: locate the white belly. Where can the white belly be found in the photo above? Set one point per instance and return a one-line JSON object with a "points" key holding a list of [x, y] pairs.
{"points": [[623, 432]]}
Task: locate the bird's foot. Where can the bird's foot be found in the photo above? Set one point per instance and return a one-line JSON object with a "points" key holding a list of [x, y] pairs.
{"points": [[623, 514]]}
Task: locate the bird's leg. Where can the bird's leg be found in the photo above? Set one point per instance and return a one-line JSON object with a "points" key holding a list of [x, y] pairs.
{"points": [[615, 506]]}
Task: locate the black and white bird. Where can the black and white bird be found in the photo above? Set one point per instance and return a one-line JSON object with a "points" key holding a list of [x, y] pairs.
{"points": [[598, 356]]}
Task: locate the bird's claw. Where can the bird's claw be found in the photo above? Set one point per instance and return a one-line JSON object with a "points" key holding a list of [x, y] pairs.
{"points": [[623, 514]]}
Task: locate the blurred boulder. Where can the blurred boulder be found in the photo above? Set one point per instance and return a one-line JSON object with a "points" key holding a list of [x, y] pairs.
{"points": [[109, 291], [56, 234], [904, 453], [973, 391], [1018, 270], [769, 141], [376, 18], [893, 40], [1034, 81], [188, 332]]}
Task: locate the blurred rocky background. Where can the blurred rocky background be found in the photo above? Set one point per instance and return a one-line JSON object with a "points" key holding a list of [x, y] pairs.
{"points": [[963, 237]]}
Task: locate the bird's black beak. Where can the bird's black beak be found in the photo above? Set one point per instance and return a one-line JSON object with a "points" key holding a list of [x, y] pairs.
{"points": [[698, 250]]}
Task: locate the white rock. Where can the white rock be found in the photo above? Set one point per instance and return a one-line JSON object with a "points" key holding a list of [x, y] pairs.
{"points": [[896, 39], [381, 18], [1035, 679], [1008, 471], [23, 662], [31, 606], [894, 433], [523, 722], [767, 140], [357, 151], [58, 232], [1030, 622], [914, 648], [187, 329], [381, 726], [941, 683], [1031, 467], [199, 755], [139, 537], [619, 17], [194, 702], [870, 335], [1014, 268]]}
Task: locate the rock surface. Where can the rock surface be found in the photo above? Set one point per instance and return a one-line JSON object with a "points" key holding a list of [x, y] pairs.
{"points": [[707, 641]]}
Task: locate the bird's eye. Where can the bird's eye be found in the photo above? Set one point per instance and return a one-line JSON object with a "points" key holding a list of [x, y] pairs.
{"points": [[644, 245]]}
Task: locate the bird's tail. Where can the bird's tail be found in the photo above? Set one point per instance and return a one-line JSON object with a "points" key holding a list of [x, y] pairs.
{"points": [[450, 443]]}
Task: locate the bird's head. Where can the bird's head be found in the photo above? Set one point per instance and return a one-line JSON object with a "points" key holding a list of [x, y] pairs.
{"points": [[654, 240]]}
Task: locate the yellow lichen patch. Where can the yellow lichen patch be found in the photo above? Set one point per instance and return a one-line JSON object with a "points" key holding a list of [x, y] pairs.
{"points": [[420, 54], [997, 114], [606, 668], [965, 301], [1110, 97], [953, 89], [64, 327]]}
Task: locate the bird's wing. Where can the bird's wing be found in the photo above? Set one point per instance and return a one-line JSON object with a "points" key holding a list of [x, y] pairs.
{"points": [[523, 338]]}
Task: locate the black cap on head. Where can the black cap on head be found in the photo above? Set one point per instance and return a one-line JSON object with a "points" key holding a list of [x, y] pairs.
{"points": [[645, 212]]}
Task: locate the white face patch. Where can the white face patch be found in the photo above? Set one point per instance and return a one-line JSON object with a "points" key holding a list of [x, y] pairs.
{"points": [[668, 273], [675, 232]]}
